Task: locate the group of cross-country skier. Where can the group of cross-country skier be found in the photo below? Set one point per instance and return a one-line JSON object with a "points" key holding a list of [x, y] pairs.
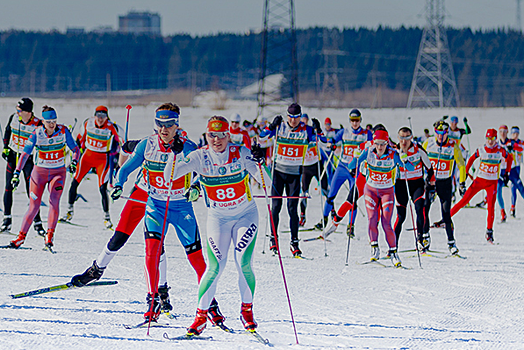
{"points": [[389, 168]]}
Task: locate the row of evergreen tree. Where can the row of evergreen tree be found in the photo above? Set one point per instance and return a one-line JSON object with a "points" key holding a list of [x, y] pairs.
{"points": [[489, 65]]}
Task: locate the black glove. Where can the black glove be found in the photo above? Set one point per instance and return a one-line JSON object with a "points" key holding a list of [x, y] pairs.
{"points": [[129, 146], [505, 178], [258, 153], [430, 189], [116, 192], [72, 166], [275, 123], [462, 189], [316, 126], [465, 120], [15, 181], [353, 172], [5, 153], [333, 147], [177, 146]]}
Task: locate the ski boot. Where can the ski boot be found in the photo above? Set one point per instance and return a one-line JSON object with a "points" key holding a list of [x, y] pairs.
{"points": [[39, 228], [424, 240], [489, 235], [214, 314], [503, 216], [439, 224], [322, 223], [93, 273], [332, 225], [246, 316], [18, 241], [69, 215], [165, 303], [512, 211], [295, 250], [375, 251], [453, 250], [199, 324], [7, 224], [395, 259], [107, 220], [273, 245], [302, 220], [482, 204], [153, 307], [350, 231], [48, 239]]}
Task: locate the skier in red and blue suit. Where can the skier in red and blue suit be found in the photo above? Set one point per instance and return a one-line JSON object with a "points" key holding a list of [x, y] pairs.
{"points": [[50, 140]]}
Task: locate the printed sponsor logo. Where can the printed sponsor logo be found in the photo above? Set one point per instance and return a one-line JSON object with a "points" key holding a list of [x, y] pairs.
{"points": [[246, 238], [215, 249]]}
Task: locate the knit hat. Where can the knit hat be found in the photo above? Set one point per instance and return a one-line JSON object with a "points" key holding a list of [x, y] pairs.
{"points": [[381, 135], [355, 115], [25, 104], [294, 110], [491, 133]]}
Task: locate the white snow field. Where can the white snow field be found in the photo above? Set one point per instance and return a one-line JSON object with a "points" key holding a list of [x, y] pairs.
{"points": [[449, 303]]}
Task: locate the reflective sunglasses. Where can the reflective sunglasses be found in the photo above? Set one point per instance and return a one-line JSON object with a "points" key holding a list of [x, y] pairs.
{"points": [[165, 123], [441, 132], [101, 114], [493, 138], [380, 142], [405, 137], [294, 115], [219, 135]]}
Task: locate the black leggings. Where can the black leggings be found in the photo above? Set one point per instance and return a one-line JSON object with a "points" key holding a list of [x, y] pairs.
{"points": [[291, 184], [73, 193], [444, 193], [308, 173], [8, 193], [416, 191]]}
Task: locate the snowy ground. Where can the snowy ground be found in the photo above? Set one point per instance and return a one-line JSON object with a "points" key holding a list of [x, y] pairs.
{"points": [[450, 303]]}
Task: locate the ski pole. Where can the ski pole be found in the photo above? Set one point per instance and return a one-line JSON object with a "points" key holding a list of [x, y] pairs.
{"points": [[352, 217], [467, 132], [273, 157], [133, 200], [415, 228], [162, 237], [128, 107], [278, 249], [327, 162], [321, 195]]}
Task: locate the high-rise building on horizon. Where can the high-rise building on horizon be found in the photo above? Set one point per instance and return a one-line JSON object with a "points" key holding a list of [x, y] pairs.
{"points": [[139, 23]]}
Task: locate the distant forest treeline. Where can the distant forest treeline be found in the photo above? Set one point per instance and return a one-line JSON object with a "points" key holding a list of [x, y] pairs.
{"points": [[489, 65]]}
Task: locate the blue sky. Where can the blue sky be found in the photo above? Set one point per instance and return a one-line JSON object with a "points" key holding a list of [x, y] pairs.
{"points": [[200, 17]]}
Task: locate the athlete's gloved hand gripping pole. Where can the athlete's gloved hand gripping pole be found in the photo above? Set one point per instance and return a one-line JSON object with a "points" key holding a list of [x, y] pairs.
{"points": [[259, 163]]}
